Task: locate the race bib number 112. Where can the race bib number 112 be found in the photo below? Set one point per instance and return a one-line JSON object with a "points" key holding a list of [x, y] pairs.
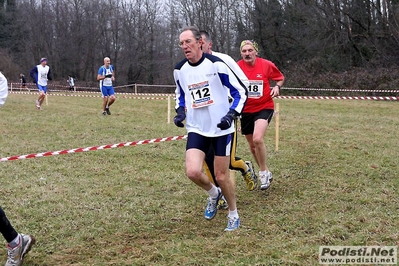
{"points": [[201, 95]]}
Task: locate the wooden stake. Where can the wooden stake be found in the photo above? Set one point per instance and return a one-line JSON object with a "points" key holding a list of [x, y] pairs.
{"points": [[277, 123], [168, 109]]}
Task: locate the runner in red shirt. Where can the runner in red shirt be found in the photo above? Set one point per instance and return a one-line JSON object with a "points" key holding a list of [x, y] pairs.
{"points": [[259, 109]]}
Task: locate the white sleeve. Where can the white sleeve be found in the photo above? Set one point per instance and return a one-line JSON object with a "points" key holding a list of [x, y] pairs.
{"points": [[3, 89]]}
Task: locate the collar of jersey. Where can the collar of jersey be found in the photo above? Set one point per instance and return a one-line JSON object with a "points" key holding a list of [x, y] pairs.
{"points": [[199, 61]]}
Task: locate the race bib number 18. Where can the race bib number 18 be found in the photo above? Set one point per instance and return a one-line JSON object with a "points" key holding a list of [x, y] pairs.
{"points": [[255, 89]]}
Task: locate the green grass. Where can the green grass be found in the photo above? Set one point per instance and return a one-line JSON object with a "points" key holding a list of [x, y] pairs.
{"points": [[335, 183]]}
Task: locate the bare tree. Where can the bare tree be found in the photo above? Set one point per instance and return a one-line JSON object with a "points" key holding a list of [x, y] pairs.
{"points": [[141, 36]]}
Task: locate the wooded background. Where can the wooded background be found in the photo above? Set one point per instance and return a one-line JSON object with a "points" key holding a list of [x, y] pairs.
{"points": [[330, 43]]}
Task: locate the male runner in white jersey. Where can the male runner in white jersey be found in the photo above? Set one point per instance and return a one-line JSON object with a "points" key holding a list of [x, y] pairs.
{"points": [[203, 85], [236, 163], [41, 74]]}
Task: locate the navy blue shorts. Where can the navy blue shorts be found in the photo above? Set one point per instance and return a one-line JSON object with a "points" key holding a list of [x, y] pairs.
{"points": [[221, 145]]}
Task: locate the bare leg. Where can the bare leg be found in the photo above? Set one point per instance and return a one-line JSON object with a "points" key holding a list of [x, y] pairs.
{"points": [[105, 101], [221, 165], [194, 163], [257, 144], [111, 100], [41, 97]]}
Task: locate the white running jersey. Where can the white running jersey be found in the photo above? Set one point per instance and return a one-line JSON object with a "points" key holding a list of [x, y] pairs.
{"points": [[71, 82], [42, 72], [203, 89]]}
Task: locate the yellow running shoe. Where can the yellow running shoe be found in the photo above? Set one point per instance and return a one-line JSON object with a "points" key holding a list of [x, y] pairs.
{"points": [[250, 177]]}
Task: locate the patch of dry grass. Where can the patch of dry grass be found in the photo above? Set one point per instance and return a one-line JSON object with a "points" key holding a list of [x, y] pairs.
{"points": [[335, 183]]}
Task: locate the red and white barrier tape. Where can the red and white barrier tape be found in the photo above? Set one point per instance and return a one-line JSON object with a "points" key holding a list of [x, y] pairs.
{"points": [[150, 94], [340, 90], [90, 96], [94, 148], [97, 92], [18, 85], [374, 98], [13, 85]]}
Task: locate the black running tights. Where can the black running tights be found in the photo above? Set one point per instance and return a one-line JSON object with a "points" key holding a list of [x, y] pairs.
{"points": [[6, 228]]}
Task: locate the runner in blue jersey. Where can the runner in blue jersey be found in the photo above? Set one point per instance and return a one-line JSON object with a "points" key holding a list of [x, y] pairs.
{"points": [[106, 75]]}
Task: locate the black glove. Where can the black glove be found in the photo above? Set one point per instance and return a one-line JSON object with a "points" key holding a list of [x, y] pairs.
{"points": [[181, 115], [226, 121], [108, 76]]}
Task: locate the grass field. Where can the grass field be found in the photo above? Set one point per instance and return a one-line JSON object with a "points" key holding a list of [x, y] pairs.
{"points": [[335, 183]]}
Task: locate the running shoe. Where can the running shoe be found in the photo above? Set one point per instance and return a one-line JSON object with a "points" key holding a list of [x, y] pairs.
{"points": [[265, 180], [211, 207], [222, 204], [232, 224], [17, 254], [250, 177]]}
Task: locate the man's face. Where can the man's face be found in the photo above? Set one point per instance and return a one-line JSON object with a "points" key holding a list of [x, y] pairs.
{"points": [[190, 46], [248, 54], [44, 63], [107, 62], [206, 45]]}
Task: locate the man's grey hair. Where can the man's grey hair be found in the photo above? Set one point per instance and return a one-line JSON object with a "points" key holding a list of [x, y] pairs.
{"points": [[195, 30], [206, 34]]}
